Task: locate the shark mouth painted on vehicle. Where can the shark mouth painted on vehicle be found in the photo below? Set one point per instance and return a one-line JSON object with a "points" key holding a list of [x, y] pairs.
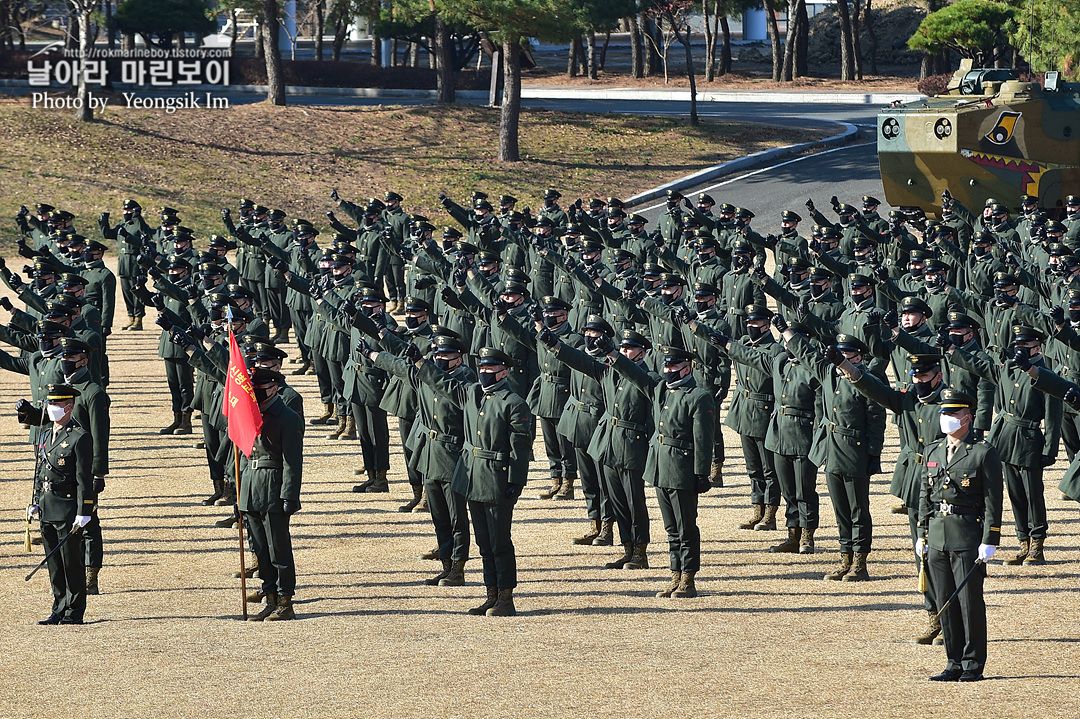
{"points": [[1029, 170]]}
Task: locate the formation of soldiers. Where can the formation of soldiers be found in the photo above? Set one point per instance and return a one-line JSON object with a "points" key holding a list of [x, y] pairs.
{"points": [[626, 348]]}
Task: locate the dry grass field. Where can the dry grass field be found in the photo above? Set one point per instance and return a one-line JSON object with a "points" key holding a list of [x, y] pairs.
{"points": [[767, 637]]}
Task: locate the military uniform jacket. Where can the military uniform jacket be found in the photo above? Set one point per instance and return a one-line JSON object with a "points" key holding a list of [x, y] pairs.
{"points": [[551, 389], [100, 290], [400, 398], [63, 480], [826, 306], [1052, 384], [852, 428], [752, 400], [275, 469], [714, 366], [682, 442], [498, 437], [622, 433], [42, 370], [526, 369], [128, 236], [739, 290], [796, 392], [971, 485], [586, 405], [956, 377], [92, 414]]}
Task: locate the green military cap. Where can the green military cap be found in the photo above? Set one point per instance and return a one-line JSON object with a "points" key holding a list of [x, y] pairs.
{"points": [[178, 263], [516, 274], [1029, 199], [492, 356], [858, 279], [896, 215], [43, 267], [246, 204], [615, 212], [919, 255], [76, 239], [741, 247], [377, 203], [372, 210], [614, 202], [651, 269], [220, 299], [440, 331], [425, 227], [726, 209], [482, 205], [914, 304], [674, 195], [95, 246], [573, 229], [635, 220], [591, 246], [167, 212], [862, 243], [798, 264], [595, 203], [212, 268], [846, 209], [675, 355], [945, 230], [923, 363], [239, 314], [621, 253], [341, 259], [61, 393], [56, 308], [1038, 219], [222, 242], [392, 196], [820, 273], [552, 194], [990, 202], [982, 238], [464, 247], [1073, 297], [630, 338], [704, 234], [511, 287], [789, 216], [704, 289], [935, 265], [260, 376], [1026, 333], [1072, 200], [544, 222], [48, 328], [132, 205], [486, 257], [961, 320], [259, 210], [870, 201], [42, 208], [550, 302], [1055, 227], [743, 212], [414, 217], [690, 222], [62, 215], [704, 199], [74, 346], [305, 228], [507, 200], [371, 293], [998, 209], [954, 399], [599, 324], [1058, 249], [670, 279], [445, 344], [276, 214], [829, 232], [1004, 279], [758, 312], [415, 304], [237, 291], [850, 343], [344, 248], [266, 350], [71, 278], [478, 195]]}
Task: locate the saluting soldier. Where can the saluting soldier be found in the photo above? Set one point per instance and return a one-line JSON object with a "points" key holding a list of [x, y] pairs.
{"points": [[64, 500], [129, 237], [960, 524]]}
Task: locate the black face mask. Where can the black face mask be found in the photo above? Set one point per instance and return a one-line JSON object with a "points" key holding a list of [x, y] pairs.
{"points": [[590, 342], [588, 261], [68, 367], [46, 346], [672, 376], [668, 299], [935, 282], [979, 250], [860, 300], [487, 379], [1031, 351], [412, 322], [551, 321], [323, 271], [924, 389], [702, 307], [957, 338], [40, 283], [916, 271], [754, 333], [261, 394], [818, 290], [208, 283], [704, 256], [87, 257], [1074, 314], [740, 261], [443, 364]]}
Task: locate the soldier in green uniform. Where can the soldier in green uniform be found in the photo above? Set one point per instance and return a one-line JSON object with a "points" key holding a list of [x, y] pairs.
{"points": [[959, 525], [680, 452], [270, 495], [129, 237], [64, 501], [41, 361]]}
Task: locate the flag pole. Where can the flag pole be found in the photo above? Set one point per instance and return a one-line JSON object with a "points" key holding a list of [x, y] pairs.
{"points": [[239, 514]]}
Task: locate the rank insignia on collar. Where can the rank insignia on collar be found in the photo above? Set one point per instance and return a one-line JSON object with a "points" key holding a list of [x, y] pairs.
{"points": [[965, 482], [62, 461]]}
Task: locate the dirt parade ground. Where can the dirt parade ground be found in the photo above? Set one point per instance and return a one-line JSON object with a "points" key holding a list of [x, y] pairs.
{"points": [[767, 637]]}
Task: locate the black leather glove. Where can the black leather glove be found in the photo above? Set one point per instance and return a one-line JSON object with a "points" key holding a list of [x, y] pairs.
{"points": [[413, 353], [701, 483], [103, 218], [513, 491], [759, 273], [163, 322], [196, 333], [1005, 298], [946, 197], [881, 273], [1057, 315], [442, 197], [815, 247], [873, 320], [23, 211], [277, 263], [891, 319], [1047, 460], [22, 410], [5, 302], [144, 260], [379, 320], [809, 205], [331, 216], [362, 347], [422, 283], [192, 292], [547, 337], [225, 213], [178, 338], [834, 356], [603, 344], [290, 507], [683, 315], [943, 340], [24, 249], [721, 395], [1071, 398], [1021, 358], [460, 276], [349, 307], [719, 339], [779, 323], [159, 302], [154, 271], [315, 290], [834, 201], [500, 306], [99, 485], [334, 195]]}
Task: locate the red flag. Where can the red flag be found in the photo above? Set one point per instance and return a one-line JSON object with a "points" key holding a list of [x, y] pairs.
{"points": [[239, 406]]}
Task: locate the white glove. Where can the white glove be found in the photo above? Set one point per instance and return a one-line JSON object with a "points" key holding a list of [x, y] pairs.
{"points": [[81, 521], [34, 512], [920, 547], [986, 551]]}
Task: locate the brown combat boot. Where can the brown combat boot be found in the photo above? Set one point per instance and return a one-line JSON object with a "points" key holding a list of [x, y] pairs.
{"points": [[1035, 556], [342, 422], [349, 434], [716, 478], [492, 597], [283, 611], [176, 418], [1021, 555], [768, 522], [628, 553], [363, 486], [249, 568], [380, 484], [590, 535], [136, 325], [566, 491], [185, 423], [676, 580], [434, 581], [228, 496], [267, 610], [219, 492], [130, 322], [303, 368], [255, 597], [430, 554], [417, 495], [789, 545], [359, 472], [456, 577], [423, 506], [932, 630], [757, 515], [858, 571], [606, 538], [845, 566], [899, 509], [326, 417], [91, 580], [556, 484], [640, 557], [504, 604], [686, 589], [806, 543]]}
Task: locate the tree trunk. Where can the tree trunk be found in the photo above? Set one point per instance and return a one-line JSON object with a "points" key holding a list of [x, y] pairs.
{"points": [[712, 32], [802, 42], [774, 39], [414, 54], [787, 72], [571, 60], [320, 28], [685, 41], [590, 56], [637, 69], [275, 79], [603, 50], [84, 113], [341, 31], [871, 34], [260, 46], [376, 43], [856, 41], [725, 49], [392, 60], [233, 30], [444, 62], [510, 112], [71, 42], [847, 61], [110, 31], [648, 50]]}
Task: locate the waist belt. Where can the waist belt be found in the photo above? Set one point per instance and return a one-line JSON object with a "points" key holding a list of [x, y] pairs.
{"points": [[845, 431], [265, 463], [1020, 421], [59, 486], [445, 438], [485, 453], [796, 412], [736, 313], [944, 509], [676, 443], [625, 424], [554, 378], [589, 408], [758, 396]]}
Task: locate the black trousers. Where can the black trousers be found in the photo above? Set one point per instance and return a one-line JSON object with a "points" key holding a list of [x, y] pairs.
{"points": [[929, 603], [963, 625], [93, 549], [1025, 485], [212, 440], [396, 288], [764, 487], [491, 525], [405, 428], [300, 320], [559, 450], [279, 311], [271, 541], [597, 499], [450, 515], [337, 380], [626, 492], [67, 574], [181, 383], [374, 435], [261, 302], [678, 507], [134, 306], [1070, 432], [322, 375], [798, 485], [850, 497]]}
